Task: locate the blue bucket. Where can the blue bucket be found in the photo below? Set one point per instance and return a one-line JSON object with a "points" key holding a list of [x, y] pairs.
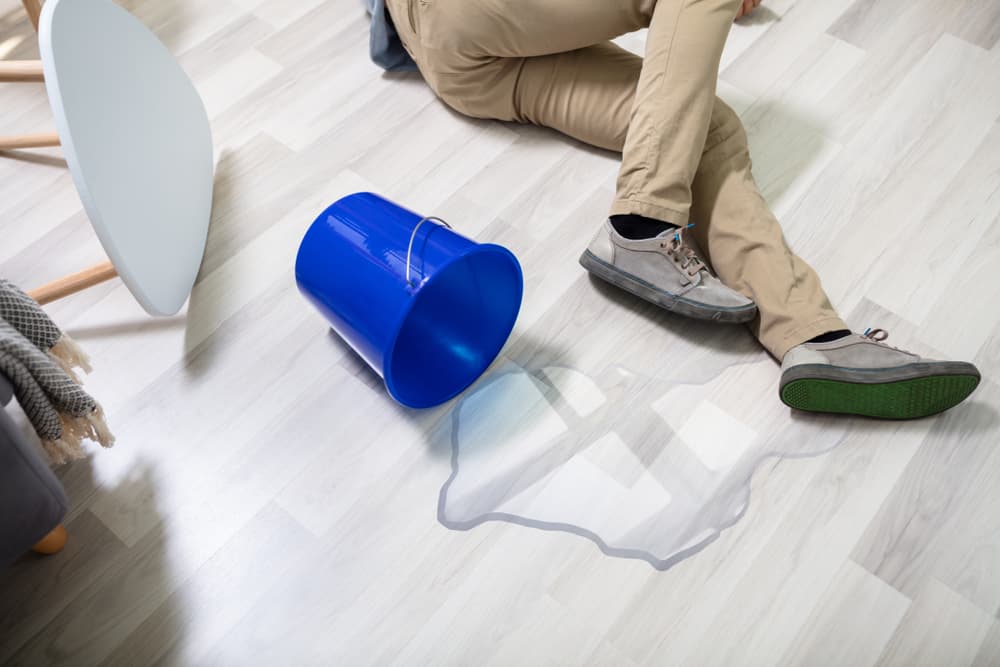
{"points": [[425, 307]]}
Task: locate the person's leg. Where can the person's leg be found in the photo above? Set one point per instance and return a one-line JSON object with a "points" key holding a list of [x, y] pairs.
{"points": [[672, 109], [744, 242], [475, 53], [483, 29], [494, 58], [852, 374], [590, 94], [534, 61]]}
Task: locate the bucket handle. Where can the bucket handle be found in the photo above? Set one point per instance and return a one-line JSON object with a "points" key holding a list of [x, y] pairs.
{"points": [[413, 237]]}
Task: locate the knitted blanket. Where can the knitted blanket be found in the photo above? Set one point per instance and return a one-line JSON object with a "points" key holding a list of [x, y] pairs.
{"points": [[39, 359]]}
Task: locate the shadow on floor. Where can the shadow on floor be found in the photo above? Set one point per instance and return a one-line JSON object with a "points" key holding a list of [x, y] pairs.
{"points": [[99, 598]]}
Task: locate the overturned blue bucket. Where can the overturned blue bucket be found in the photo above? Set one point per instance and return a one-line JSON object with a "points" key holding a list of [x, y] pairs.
{"points": [[425, 307]]}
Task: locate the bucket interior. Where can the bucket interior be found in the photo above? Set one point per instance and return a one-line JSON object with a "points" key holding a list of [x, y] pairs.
{"points": [[460, 319]]}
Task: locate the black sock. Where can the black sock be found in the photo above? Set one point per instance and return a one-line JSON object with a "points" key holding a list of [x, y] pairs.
{"points": [[637, 227], [830, 336]]}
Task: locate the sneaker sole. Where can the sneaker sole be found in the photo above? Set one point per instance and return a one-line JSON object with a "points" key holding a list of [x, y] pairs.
{"points": [[908, 392], [666, 300]]}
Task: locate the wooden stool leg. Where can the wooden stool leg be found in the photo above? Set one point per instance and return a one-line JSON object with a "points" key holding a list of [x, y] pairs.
{"points": [[14, 71], [26, 70], [29, 141], [34, 9], [52, 543], [74, 283]]}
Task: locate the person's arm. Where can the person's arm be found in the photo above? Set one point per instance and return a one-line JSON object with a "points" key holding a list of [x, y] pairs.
{"points": [[747, 7]]}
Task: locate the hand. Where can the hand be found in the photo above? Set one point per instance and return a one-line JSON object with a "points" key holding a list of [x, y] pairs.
{"points": [[746, 7]]}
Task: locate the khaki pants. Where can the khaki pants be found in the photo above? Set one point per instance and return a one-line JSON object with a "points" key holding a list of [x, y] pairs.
{"points": [[684, 151]]}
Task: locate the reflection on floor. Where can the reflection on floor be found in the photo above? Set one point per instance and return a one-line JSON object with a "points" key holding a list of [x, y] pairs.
{"points": [[642, 468]]}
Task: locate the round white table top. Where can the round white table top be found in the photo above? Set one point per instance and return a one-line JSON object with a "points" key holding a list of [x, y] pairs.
{"points": [[137, 141]]}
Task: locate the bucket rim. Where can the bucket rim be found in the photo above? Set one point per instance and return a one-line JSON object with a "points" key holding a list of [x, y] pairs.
{"points": [[390, 355]]}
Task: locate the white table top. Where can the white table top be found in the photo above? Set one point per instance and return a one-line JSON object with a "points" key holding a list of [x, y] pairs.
{"points": [[137, 141]]}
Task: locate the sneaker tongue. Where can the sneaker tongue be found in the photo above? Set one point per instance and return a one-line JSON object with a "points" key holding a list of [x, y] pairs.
{"points": [[668, 233]]}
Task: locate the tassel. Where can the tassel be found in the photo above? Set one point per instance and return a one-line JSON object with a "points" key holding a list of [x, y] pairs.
{"points": [[68, 354], [93, 426], [69, 446], [61, 452], [99, 431], [66, 368]]}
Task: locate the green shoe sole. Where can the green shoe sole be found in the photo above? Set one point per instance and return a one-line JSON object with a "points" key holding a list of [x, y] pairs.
{"points": [[901, 399]]}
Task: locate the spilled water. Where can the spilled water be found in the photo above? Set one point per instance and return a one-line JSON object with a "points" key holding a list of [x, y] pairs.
{"points": [[645, 468], [611, 419]]}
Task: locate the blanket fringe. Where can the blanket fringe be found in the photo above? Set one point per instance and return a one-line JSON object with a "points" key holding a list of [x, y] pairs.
{"points": [[69, 355], [69, 446], [63, 450], [99, 430]]}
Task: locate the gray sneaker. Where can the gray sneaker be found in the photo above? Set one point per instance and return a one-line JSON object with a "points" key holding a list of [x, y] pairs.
{"points": [[861, 375], [666, 270]]}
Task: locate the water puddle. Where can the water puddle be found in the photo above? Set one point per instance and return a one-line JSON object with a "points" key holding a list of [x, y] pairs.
{"points": [[644, 467]]}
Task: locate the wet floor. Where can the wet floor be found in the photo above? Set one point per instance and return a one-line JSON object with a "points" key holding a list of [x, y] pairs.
{"points": [[644, 468]]}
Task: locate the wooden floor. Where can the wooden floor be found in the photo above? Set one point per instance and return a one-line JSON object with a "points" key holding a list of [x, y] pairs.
{"points": [[267, 504]]}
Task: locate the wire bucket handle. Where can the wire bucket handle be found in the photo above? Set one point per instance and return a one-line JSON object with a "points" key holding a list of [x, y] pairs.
{"points": [[413, 237]]}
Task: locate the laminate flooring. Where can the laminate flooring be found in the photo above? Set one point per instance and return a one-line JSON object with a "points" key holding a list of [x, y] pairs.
{"points": [[266, 502]]}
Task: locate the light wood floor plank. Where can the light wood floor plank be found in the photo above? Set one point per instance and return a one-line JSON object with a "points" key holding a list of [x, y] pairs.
{"points": [[989, 650], [225, 589], [268, 504], [936, 505], [940, 628], [853, 623], [976, 21]]}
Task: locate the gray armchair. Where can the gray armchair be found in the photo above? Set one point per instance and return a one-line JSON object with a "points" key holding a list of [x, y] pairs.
{"points": [[32, 501]]}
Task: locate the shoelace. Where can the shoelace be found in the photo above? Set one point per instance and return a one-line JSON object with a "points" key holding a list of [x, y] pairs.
{"points": [[684, 253], [879, 336], [876, 335]]}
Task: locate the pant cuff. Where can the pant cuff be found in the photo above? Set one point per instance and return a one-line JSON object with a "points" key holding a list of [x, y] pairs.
{"points": [[778, 343], [650, 210]]}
